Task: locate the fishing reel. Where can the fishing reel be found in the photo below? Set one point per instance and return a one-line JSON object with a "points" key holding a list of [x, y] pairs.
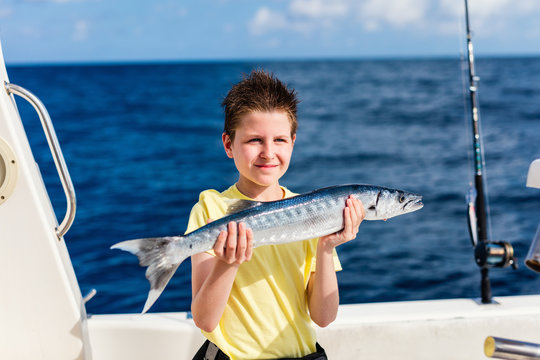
{"points": [[498, 254], [487, 254]]}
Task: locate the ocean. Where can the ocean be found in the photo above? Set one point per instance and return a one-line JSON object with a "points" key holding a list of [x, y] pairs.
{"points": [[141, 141]]}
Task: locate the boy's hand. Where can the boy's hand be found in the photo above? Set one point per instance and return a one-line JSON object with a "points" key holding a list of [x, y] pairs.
{"points": [[235, 245], [353, 214]]}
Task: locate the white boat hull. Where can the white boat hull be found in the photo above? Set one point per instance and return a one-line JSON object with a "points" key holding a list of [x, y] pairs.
{"points": [[432, 329]]}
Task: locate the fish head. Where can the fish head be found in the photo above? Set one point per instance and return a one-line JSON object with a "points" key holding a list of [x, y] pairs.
{"points": [[389, 203]]}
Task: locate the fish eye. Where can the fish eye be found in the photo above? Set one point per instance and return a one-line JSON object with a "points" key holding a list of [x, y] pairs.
{"points": [[372, 207], [401, 198]]}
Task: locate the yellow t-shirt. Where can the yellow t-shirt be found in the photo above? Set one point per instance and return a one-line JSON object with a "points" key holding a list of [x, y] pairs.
{"points": [[266, 315]]}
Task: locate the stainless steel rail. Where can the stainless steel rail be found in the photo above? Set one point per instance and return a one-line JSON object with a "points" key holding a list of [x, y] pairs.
{"points": [[56, 152], [500, 348]]}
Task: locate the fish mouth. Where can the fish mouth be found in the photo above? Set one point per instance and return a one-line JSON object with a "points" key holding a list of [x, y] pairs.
{"points": [[413, 204]]}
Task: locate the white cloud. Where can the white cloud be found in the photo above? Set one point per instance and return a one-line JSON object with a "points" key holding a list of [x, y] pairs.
{"points": [[395, 13], [302, 16], [494, 17], [266, 20], [436, 16], [80, 32], [318, 8], [307, 16], [482, 11]]}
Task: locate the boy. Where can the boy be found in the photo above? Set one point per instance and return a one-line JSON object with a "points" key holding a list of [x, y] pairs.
{"points": [[259, 303]]}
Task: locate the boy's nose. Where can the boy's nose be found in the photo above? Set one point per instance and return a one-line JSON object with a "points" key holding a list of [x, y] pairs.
{"points": [[267, 152]]}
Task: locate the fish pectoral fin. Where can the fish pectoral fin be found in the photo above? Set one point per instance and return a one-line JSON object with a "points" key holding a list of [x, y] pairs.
{"points": [[235, 206]]}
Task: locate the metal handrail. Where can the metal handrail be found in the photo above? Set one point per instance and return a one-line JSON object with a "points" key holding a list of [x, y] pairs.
{"points": [[56, 152], [508, 349]]}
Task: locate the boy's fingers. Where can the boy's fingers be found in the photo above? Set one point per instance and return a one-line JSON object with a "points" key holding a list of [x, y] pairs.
{"points": [[249, 244], [241, 244], [357, 212], [219, 249], [352, 218], [352, 212], [343, 232], [230, 250], [235, 244], [360, 209]]}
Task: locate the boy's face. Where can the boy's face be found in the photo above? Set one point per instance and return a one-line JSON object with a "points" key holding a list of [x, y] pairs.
{"points": [[262, 148]]}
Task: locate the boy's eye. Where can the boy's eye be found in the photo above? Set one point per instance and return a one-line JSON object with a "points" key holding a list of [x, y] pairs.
{"points": [[255, 140]]}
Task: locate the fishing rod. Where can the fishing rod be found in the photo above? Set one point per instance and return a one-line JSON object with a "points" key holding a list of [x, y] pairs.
{"points": [[487, 253]]}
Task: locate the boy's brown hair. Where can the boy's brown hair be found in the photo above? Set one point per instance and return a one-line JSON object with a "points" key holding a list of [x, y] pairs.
{"points": [[259, 91]]}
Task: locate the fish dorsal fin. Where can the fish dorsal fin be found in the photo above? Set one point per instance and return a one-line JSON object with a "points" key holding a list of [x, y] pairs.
{"points": [[234, 205]]}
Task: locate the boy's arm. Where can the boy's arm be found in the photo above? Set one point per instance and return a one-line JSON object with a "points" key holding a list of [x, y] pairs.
{"points": [[322, 289], [212, 276]]}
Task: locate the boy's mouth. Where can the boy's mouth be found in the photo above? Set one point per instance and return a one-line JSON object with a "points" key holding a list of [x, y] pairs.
{"points": [[265, 166]]}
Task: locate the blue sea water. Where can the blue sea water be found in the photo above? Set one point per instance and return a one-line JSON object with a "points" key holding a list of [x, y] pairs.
{"points": [[143, 140]]}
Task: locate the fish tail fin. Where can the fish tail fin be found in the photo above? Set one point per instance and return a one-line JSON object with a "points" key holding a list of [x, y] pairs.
{"points": [[161, 259]]}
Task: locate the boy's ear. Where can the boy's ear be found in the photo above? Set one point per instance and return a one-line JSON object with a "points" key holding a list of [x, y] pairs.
{"points": [[227, 144], [293, 138]]}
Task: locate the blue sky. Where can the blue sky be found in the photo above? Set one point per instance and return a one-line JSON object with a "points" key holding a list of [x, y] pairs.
{"points": [[36, 31]]}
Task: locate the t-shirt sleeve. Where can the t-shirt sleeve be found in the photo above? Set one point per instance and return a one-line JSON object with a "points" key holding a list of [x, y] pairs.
{"points": [[197, 217], [210, 206]]}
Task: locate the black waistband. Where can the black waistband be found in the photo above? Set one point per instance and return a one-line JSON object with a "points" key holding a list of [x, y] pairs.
{"points": [[320, 354], [209, 351]]}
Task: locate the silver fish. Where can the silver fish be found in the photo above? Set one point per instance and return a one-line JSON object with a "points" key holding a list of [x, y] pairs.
{"points": [[301, 217]]}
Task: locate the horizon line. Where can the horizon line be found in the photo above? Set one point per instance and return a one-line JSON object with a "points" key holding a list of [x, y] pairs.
{"points": [[120, 62]]}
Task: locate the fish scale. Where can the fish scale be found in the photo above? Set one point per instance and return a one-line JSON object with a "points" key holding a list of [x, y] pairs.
{"points": [[297, 218]]}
